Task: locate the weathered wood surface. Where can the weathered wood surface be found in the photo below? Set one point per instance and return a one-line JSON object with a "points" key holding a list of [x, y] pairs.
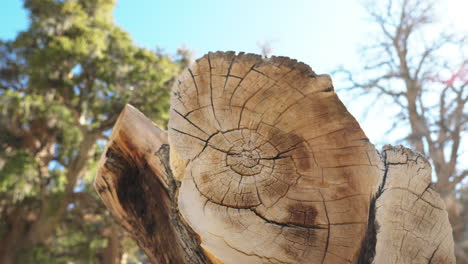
{"points": [[267, 166], [135, 182]]}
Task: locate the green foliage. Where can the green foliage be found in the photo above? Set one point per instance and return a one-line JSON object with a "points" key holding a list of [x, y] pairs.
{"points": [[63, 83], [80, 245], [18, 178]]}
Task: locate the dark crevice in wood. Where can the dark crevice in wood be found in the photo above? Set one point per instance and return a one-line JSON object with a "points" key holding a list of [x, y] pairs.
{"points": [[188, 120], [369, 243], [151, 209], [195, 84], [329, 89], [433, 254], [190, 240], [285, 224], [367, 253], [211, 92], [229, 72], [327, 243]]}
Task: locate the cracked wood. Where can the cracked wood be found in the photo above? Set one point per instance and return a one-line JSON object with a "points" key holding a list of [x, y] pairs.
{"points": [[275, 168], [136, 184], [268, 166]]}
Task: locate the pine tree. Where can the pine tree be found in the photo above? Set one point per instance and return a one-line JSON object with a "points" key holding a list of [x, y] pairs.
{"points": [[63, 83]]}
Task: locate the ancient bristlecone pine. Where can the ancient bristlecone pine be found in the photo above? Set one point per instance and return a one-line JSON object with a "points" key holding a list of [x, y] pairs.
{"points": [[268, 166]]}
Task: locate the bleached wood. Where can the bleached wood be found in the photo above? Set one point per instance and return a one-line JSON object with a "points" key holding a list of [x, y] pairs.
{"points": [[276, 169], [135, 182], [270, 167], [413, 223]]}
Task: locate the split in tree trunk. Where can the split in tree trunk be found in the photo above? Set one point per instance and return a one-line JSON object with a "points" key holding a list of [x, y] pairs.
{"points": [[136, 184], [267, 166]]}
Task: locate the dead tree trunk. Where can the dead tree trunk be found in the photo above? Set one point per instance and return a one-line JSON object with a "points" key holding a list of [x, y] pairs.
{"points": [[267, 166]]}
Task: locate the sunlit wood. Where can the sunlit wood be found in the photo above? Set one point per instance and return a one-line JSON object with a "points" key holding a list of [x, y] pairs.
{"points": [[267, 166]]}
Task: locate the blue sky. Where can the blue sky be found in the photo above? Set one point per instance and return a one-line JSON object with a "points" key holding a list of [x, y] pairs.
{"points": [[315, 32], [323, 34], [320, 33]]}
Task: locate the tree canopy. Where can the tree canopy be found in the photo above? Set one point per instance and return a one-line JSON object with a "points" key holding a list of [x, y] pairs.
{"points": [[63, 83], [420, 66]]}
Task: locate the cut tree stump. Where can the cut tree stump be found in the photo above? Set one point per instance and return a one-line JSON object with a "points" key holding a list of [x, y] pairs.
{"points": [[262, 163]]}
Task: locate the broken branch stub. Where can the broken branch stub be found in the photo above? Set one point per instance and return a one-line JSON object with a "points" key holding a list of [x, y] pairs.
{"points": [[135, 183], [269, 167]]}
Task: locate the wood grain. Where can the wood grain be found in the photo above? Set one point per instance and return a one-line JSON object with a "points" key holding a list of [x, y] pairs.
{"points": [[276, 170], [136, 184], [262, 163]]}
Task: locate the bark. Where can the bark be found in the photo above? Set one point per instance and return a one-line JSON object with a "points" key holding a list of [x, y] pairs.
{"points": [[112, 253], [267, 166], [12, 239]]}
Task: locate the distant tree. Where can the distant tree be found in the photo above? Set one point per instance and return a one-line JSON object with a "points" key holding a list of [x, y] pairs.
{"points": [[63, 83], [422, 68], [265, 48]]}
